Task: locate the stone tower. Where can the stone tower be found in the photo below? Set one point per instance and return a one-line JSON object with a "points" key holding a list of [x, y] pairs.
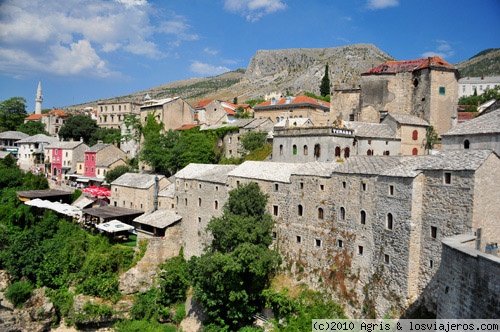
{"points": [[39, 99]]}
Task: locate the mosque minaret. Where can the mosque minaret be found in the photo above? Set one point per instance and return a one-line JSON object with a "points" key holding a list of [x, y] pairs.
{"points": [[39, 99]]}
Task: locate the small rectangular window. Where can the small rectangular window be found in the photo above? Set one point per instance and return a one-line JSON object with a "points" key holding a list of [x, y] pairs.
{"points": [[442, 90], [299, 239], [391, 190], [275, 210], [360, 250], [199, 219], [387, 259], [447, 178], [275, 235], [322, 187], [434, 232], [340, 243], [431, 263], [344, 184], [317, 242], [301, 185], [363, 186], [276, 187]]}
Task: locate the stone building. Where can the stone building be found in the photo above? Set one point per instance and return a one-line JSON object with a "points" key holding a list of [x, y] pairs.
{"points": [[426, 88], [231, 140], [112, 114], [289, 107], [411, 130], [344, 103], [63, 157], [369, 229], [172, 112], [53, 120], [138, 191], [200, 194], [8, 141], [482, 132], [467, 86]]}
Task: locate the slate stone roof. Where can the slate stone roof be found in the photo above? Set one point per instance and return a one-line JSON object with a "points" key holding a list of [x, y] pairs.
{"points": [[137, 180], [107, 161], [64, 145], [168, 191], [408, 119], [159, 218], [98, 147], [322, 169], [4, 154], [411, 166], [38, 139], [205, 172], [13, 135], [370, 130], [488, 123], [269, 171]]}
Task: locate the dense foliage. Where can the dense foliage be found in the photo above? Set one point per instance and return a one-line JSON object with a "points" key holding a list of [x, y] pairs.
{"points": [[12, 113], [106, 135], [470, 103], [32, 128], [78, 127], [229, 278], [116, 172]]}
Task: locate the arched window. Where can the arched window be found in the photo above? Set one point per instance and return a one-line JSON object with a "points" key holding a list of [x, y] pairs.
{"points": [[216, 205], [300, 210], [320, 213], [337, 151], [199, 201], [414, 135], [369, 152], [342, 213], [466, 144], [305, 150], [390, 221], [414, 152], [347, 152], [294, 149], [281, 149], [363, 217]]}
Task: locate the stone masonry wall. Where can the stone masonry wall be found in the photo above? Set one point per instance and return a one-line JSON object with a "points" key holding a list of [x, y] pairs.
{"points": [[468, 281]]}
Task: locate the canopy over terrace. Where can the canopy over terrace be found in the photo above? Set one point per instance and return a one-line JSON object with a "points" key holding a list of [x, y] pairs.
{"points": [[49, 194], [61, 208], [107, 213], [114, 226]]}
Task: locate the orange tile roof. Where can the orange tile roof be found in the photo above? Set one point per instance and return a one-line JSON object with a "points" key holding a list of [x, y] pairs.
{"points": [[34, 117], [296, 100], [58, 113], [392, 67], [229, 111], [188, 126], [203, 103]]}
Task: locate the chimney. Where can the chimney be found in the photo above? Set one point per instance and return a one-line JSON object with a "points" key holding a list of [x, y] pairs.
{"points": [[157, 189]]}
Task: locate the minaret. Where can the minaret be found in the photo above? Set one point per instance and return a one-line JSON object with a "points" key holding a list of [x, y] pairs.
{"points": [[39, 99]]}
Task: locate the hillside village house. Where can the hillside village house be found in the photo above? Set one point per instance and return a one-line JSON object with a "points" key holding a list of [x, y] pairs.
{"points": [[215, 112], [31, 154], [53, 120], [316, 110], [467, 86], [172, 112], [426, 88], [138, 191], [63, 158], [8, 141], [482, 132], [112, 114], [100, 158], [411, 130]]}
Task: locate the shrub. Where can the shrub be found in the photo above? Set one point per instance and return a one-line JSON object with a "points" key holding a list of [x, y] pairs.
{"points": [[142, 326], [19, 292]]}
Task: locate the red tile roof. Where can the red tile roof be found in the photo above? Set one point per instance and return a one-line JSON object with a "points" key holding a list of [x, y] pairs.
{"points": [[296, 100], [34, 117], [465, 116], [393, 67], [58, 113]]}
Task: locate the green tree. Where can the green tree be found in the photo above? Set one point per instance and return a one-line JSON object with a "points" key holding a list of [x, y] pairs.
{"points": [[229, 278], [78, 127], [324, 88], [106, 135], [32, 128], [12, 113], [253, 140], [116, 172]]}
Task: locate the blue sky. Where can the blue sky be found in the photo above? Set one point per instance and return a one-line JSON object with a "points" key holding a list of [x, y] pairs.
{"points": [[85, 50]]}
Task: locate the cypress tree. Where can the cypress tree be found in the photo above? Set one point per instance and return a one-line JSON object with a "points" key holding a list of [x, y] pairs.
{"points": [[324, 88]]}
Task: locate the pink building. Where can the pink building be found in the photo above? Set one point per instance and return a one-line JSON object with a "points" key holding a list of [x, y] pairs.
{"points": [[101, 158]]}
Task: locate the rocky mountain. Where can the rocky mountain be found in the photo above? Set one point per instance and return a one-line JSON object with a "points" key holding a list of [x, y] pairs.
{"points": [[485, 63], [288, 70]]}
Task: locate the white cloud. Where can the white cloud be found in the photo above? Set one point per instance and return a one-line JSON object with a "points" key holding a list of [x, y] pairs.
{"points": [[210, 51], [253, 10], [207, 69], [443, 50], [49, 34], [381, 4]]}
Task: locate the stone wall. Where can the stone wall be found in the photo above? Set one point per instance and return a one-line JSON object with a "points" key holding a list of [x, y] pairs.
{"points": [[468, 281], [344, 103], [476, 142]]}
